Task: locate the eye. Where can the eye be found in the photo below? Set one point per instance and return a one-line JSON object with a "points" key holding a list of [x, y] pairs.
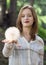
{"points": [[29, 15], [23, 16]]}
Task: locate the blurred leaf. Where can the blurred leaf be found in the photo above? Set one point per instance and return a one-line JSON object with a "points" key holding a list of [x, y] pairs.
{"points": [[42, 32], [43, 18], [37, 9], [45, 48], [8, 3]]}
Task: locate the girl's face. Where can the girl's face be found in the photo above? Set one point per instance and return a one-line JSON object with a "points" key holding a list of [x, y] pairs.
{"points": [[27, 18]]}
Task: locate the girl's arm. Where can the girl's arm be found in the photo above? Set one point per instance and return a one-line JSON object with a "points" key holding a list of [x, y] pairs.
{"points": [[8, 49], [41, 55]]}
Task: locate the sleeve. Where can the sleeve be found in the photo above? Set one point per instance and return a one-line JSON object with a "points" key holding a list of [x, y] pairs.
{"points": [[7, 49], [41, 54]]}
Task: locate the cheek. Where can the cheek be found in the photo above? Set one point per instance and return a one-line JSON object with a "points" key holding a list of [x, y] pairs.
{"points": [[22, 21], [31, 21]]}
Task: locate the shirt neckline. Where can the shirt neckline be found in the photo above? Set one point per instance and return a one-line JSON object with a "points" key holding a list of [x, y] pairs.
{"points": [[27, 41]]}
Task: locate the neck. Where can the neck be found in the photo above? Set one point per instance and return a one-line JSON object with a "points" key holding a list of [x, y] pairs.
{"points": [[26, 30], [25, 33]]}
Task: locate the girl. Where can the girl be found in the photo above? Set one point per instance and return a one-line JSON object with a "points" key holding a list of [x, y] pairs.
{"points": [[31, 49]]}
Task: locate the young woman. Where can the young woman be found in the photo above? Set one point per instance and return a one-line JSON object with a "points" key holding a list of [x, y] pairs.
{"points": [[31, 50]]}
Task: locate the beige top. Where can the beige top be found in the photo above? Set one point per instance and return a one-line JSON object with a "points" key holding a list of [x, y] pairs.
{"points": [[26, 53]]}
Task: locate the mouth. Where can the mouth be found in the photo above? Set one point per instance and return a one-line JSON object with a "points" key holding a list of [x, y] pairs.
{"points": [[26, 21]]}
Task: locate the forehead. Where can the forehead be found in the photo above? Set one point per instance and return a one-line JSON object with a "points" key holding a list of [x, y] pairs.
{"points": [[26, 11]]}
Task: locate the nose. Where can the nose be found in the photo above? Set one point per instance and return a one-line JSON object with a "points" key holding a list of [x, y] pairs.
{"points": [[26, 17]]}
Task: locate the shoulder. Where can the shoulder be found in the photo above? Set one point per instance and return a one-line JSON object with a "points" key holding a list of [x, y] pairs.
{"points": [[39, 39]]}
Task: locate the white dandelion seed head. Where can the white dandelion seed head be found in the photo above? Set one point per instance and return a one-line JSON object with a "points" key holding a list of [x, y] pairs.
{"points": [[12, 33]]}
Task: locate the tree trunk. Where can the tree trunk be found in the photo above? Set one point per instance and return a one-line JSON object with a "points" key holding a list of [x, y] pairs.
{"points": [[13, 5], [2, 11]]}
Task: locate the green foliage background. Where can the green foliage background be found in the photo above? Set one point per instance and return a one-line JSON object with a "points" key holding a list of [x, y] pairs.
{"points": [[41, 18], [40, 8]]}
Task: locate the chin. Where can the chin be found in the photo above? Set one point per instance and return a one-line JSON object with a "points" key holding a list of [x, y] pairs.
{"points": [[27, 25], [12, 33]]}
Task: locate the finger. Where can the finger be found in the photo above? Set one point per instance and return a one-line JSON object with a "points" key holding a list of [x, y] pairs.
{"points": [[5, 41]]}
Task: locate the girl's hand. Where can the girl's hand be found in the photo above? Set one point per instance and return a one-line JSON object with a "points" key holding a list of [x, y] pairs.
{"points": [[12, 41], [9, 41]]}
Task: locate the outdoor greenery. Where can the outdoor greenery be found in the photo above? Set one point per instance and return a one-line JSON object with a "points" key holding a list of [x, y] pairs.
{"points": [[41, 22], [41, 18], [40, 8]]}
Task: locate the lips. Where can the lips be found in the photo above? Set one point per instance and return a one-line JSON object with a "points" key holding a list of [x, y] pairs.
{"points": [[26, 21]]}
